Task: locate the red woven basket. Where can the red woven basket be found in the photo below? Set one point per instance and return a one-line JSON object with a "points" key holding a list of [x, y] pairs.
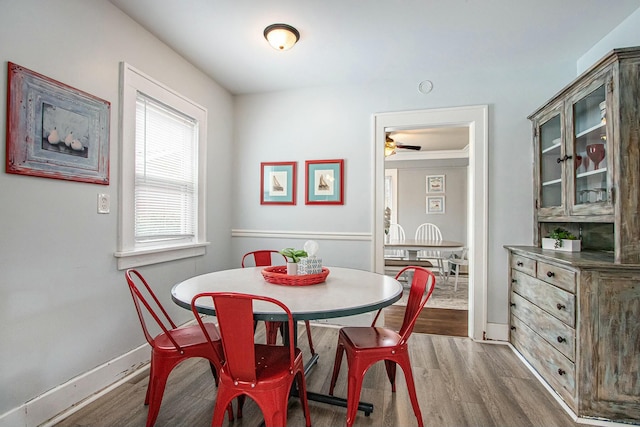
{"points": [[278, 276]]}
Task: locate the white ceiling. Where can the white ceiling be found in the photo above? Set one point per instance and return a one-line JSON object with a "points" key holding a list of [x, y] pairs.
{"points": [[356, 41], [433, 139]]}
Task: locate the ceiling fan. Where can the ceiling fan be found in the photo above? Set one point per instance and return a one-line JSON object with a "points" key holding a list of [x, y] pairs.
{"points": [[390, 146]]}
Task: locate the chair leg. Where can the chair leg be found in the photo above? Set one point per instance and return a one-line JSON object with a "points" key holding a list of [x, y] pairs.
{"points": [[391, 373], [157, 384], [354, 387], [405, 364], [214, 371], [441, 267], [241, 399], [223, 405], [272, 331], [336, 367], [308, 326], [302, 391], [150, 385], [455, 286]]}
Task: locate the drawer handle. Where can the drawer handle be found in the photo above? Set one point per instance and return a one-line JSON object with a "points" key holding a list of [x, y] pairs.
{"points": [[560, 306], [513, 304], [514, 281], [519, 263], [561, 371], [550, 274], [561, 339], [513, 328]]}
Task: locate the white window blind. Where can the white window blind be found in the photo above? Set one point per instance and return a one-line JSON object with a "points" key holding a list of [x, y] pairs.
{"points": [[166, 173]]}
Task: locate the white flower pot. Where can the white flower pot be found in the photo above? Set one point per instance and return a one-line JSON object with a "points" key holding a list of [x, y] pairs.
{"points": [[567, 245], [292, 268]]}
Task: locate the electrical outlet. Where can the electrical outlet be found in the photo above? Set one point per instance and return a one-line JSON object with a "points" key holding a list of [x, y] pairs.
{"points": [[103, 203]]}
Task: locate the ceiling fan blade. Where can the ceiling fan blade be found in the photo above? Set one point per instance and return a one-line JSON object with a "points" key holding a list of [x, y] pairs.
{"points": [[409, 147]]}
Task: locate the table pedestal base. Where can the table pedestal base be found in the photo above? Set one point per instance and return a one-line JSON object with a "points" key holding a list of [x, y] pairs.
{"points": [[365, 407]]}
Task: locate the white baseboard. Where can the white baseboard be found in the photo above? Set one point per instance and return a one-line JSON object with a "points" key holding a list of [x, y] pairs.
{"points": [[497, 332], [61, 401]]}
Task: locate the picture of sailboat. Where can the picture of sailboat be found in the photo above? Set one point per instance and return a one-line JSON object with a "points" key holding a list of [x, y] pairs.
{"points": [[322, 185], [275, 184]]}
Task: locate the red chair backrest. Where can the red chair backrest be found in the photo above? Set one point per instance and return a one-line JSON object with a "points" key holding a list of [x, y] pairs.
{"points": [[234, 312], [262, 258], [422, 286], [152, 306]]}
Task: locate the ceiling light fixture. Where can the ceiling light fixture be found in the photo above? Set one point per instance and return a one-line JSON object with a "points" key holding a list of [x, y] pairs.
{"points": [[281, 36], [389, 147]]}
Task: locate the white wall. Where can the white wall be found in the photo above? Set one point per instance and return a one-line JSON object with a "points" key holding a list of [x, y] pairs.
{"points": [[64, 308], [624, 35], [412, 196]]}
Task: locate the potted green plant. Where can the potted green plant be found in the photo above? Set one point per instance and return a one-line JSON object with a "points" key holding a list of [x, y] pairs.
{"points": [[293, 256], [561, 239]]}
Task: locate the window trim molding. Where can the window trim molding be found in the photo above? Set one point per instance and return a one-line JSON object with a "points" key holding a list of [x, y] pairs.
{"points": [[128, 255]]}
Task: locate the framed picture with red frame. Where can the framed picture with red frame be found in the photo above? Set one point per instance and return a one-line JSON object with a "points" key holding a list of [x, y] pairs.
{"points": [[324, 182], [278, 183]]}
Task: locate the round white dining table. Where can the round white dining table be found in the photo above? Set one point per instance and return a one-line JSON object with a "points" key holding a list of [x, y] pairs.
{"points": [[345, 292]]}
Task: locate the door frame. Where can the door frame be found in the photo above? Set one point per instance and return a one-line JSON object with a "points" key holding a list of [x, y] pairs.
{"points": [[476, 119]]}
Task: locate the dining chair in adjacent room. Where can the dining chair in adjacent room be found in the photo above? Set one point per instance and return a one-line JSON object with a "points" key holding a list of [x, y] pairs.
{"points": [[265, 373], [430, 232], [396, 233], [365, 346], [455, 263], [172, 344], [264, 258]]}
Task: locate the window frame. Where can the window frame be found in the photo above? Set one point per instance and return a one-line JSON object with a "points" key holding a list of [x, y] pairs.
{"points": [[129, 253]]}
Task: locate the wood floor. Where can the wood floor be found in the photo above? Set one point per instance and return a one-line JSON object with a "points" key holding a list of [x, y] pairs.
{"points": [[459, 383], [437, 321]]}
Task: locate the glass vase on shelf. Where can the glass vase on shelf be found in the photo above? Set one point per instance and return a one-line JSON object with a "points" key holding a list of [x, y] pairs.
{"points": [[596, 154]]}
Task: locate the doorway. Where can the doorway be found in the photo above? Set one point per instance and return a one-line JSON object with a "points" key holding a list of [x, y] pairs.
{"points": [[476, 119], [420, 158]]}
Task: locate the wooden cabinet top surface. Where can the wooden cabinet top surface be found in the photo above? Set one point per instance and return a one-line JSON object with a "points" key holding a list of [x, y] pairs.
{"points": [[583, 260]]}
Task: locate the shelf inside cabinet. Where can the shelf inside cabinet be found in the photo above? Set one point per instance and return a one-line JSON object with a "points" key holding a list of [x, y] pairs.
{"points": [[552, 182], [552, 148], [591, 172], [591, 129]]}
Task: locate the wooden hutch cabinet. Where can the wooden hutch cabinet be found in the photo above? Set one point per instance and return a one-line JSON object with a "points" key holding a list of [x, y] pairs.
{"points": [[575, 316]]}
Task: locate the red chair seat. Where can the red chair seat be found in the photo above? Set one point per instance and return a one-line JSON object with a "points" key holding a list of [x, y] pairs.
{"points": [[368, 338], [187, 337]]}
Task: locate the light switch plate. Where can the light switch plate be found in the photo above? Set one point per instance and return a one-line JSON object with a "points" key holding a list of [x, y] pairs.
{"points": [[103, 203]]}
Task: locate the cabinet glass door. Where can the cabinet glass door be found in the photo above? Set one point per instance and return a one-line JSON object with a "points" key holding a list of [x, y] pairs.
{"points": [[591, 185], [550, 167]]}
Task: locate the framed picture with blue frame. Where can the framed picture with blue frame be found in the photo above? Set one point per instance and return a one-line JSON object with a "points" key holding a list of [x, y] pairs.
{"points": [[325, 182], [278, 183]]}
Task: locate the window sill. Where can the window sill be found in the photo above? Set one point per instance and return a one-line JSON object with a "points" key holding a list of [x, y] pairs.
{"points": [[137, 258]]}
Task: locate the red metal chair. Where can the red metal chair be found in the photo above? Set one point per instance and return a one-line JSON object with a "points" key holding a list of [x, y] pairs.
{"points": [[170, 346], [367, 345], [265, 373], [263, 258]]}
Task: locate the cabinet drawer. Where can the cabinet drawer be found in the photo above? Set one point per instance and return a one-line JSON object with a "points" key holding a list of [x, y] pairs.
{"points": [[559, 303], [561, 277], [524, 264], [559, 335], [556, 369]]}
